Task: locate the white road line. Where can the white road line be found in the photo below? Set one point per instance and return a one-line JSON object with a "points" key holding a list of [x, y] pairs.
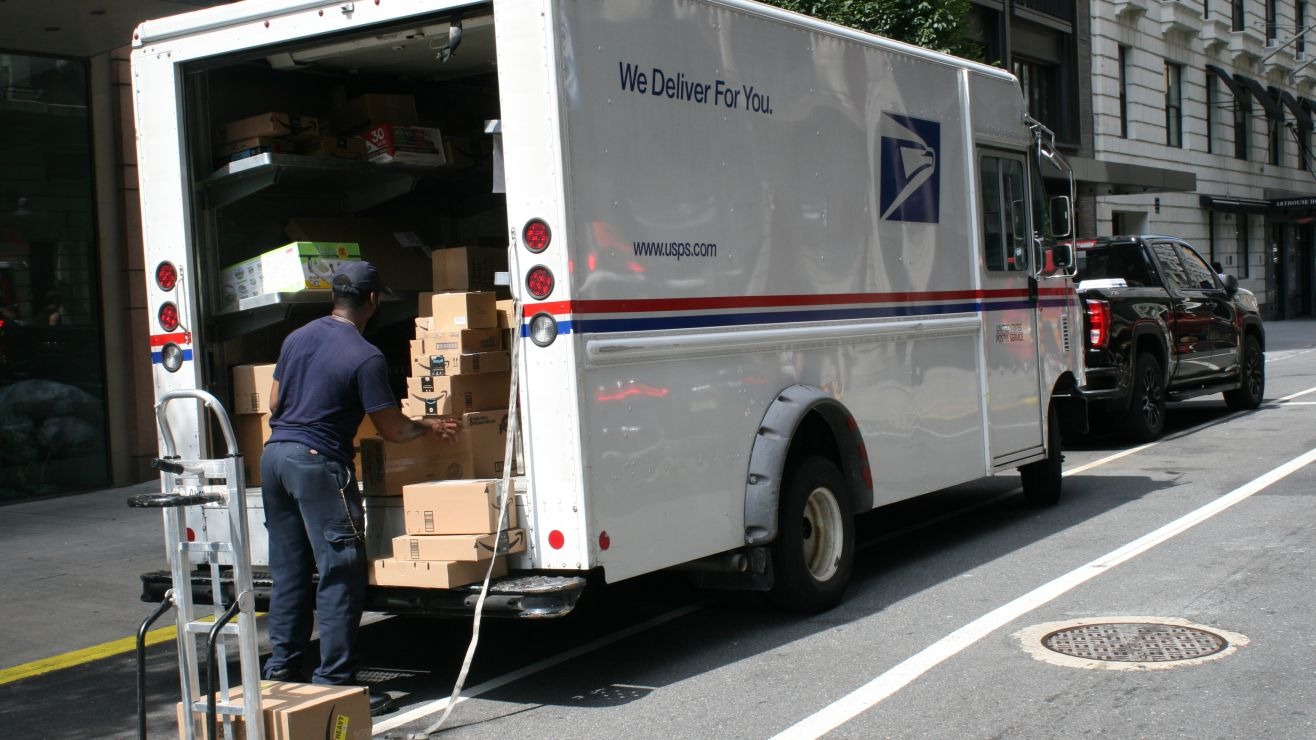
{"points": [[1292, 396], [868, 695], [434, 707], [1287, 354]]}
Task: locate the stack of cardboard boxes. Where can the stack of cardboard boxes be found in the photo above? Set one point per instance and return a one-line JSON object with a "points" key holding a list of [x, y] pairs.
{"points": [[451, 534]]}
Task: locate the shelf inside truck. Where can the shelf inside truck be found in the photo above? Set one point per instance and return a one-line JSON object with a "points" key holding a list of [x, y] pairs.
{"points": [[267, 309], [357, 183]]}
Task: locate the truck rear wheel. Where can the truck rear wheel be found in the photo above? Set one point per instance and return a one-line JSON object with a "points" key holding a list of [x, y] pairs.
{"points": [[1252, 378], [1146, 415], [1042, 480], [813, 555]]}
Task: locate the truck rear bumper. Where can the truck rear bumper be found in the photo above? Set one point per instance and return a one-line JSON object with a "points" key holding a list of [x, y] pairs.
{"points": [[521, 597]]}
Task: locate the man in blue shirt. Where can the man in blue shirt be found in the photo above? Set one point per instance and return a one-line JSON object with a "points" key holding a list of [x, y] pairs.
{"points": [[326, 379]]}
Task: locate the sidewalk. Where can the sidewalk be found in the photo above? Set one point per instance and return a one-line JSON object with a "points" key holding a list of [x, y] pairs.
{"points": [[71, 571]]}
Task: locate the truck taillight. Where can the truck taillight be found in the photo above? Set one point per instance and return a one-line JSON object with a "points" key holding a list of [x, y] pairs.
{"points": [[168, 317], [539, 281], [166, 276], [1098, 321], [536, 235]]}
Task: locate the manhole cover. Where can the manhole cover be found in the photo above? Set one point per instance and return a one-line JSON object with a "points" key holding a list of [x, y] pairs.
{"points": [[1135, 642], [1128, 643]]}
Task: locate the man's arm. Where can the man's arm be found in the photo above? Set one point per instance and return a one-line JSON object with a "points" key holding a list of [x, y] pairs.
{"points": [[395, 427], [274, 396]]}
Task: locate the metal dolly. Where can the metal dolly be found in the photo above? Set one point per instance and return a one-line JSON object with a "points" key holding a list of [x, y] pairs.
{"points": [[193, 483]]}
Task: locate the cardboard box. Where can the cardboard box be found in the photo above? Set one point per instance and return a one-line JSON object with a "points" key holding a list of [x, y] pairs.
{"points": [[335, 147], [456, 394], [252, 432], [250, 147], [299, 711], [454, 363], [416, 145], [460, 342], [454, 507], [274, 125], [388, 466], [429, 574], [506, 314], [288, 269], [456, 311], [467, 268], [251, 388], [394, 248], [372, 108], [458, 547]]}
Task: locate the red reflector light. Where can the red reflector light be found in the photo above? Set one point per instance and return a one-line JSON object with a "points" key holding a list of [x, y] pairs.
{"points": [[556, 539], [536, 235], [168, 317], [1098, 321], [539, 281], [191, 536], [604, 541], [166, 276]]}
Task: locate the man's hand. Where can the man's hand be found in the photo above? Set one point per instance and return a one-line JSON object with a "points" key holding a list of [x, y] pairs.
{"points": [[443, 427]]}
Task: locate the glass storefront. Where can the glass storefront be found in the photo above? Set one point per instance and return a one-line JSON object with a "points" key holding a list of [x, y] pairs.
{"points": [[52, 406]]}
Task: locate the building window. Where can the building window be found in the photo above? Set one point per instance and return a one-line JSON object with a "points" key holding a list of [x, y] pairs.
{"points": [[1299, 25], [1040, 90], [1173, 105], [1241, 112], [1243, 226], [1272, 22], [1124, 91], [1275, 126], [1210, 113], [1238, 15]]}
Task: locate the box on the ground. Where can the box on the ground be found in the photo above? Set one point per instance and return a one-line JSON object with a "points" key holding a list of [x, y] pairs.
{"points": [[369, 109], [299, 711], [456, 394], [274, 125], [458, 547], [335, 147], [456, 311], [414, 145], [432, 574], [454, 507], [252, 432], [467, 268], [251, 388], [455, 363], [288, 269], [392, 247]]}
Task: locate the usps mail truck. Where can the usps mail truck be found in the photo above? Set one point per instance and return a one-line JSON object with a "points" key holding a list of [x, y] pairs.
{"points": [[771, 273]]}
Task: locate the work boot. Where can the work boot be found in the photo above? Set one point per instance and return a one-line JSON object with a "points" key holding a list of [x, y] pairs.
{"points": [[380, 703], [285, 674]]}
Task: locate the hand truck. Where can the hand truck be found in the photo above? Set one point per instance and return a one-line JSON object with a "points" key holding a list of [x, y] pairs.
{"points": [[194, 483]]}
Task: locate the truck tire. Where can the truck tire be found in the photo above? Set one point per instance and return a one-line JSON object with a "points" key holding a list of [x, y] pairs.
{"points": [[1252, 378], [813, 555], [1042, 480], [1146, 415]]}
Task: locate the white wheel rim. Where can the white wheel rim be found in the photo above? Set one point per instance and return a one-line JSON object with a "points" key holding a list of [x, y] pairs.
{"points": [[824, 534]]}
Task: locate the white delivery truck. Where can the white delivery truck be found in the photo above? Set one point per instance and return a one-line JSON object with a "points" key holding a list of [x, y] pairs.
{"points": [[771, 272]]}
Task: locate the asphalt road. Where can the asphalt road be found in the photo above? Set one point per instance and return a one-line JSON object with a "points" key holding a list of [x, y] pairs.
{"points": [[1207, 526]]}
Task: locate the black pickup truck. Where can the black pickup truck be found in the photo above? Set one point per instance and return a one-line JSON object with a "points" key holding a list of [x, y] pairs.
{"points": [[1160, 325]]}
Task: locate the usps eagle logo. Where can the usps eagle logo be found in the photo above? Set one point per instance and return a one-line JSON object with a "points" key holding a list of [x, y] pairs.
{"points": [[911, 181]]}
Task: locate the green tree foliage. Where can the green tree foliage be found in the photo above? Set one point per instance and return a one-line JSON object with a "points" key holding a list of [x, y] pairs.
{"points": [[941, 25]]}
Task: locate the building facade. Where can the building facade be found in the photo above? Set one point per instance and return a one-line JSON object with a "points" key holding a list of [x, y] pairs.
{"points": [[1223, 90]]}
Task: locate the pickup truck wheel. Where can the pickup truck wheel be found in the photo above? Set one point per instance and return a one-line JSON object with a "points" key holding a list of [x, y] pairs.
{"points": [[1252, 380], [1146, 416], [814, 551], [1042, 479]]}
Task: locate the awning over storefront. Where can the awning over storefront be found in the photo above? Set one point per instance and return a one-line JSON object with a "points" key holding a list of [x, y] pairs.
{"points": [[1228, 204], [1121, 178]]}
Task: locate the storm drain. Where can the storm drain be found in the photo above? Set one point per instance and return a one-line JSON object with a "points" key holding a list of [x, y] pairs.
{"points": [[1128, 643]]}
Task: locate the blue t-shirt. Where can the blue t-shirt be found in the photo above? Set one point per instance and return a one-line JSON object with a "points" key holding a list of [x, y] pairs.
{"points": [[329, 377]]}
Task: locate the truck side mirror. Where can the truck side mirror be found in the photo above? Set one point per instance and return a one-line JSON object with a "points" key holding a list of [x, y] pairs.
{"points": [[1062, 255], [1060, 226]]}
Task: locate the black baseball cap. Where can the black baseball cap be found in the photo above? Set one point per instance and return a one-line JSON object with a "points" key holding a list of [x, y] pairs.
{"points": [[357, 278]]}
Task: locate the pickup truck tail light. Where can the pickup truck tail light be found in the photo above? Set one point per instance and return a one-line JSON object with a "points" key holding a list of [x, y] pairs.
{"points": [[1097, 315]]}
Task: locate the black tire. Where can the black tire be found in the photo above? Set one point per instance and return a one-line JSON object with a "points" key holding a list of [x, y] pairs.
{"points": [[1145, 421], [1252, 378], [1042, 480], [811, 566]]}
